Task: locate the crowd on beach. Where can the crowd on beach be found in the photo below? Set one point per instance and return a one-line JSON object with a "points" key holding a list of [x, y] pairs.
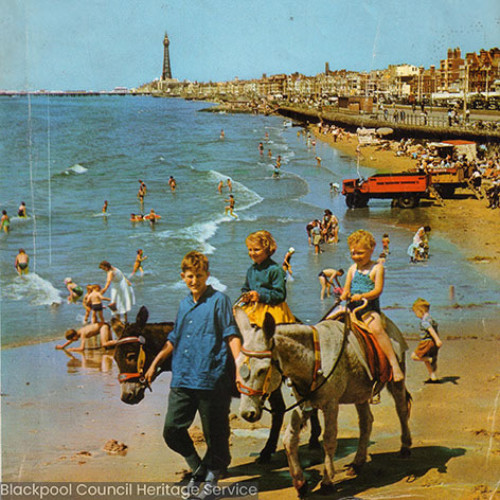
{"points": [[205, 338]]}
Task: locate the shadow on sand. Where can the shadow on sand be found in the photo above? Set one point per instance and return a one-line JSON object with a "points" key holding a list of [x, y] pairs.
{"points": [[383, 469]]}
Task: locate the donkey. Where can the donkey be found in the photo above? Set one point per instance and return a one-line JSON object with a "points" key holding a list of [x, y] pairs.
{"points": [[324, 370], [138, 344]]}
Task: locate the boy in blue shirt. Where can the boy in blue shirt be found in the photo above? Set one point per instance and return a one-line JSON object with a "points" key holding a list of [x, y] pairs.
{"points": [[201, 343]]}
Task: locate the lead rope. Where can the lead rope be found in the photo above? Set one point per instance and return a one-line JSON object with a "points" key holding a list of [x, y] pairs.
{"points": [[342, 348]]}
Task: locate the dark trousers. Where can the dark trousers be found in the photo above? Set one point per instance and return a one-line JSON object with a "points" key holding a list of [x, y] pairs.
{"points": [[213, 407]]}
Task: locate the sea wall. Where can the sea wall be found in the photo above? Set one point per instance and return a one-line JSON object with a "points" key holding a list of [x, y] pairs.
{"points": [[352, 121]]}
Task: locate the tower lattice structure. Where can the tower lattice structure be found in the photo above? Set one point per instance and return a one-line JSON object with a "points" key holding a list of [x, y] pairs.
{"points": [[167, 71]]}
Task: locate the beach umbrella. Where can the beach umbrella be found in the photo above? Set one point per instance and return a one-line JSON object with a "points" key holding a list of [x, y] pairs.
{"points": [[384, 131]]}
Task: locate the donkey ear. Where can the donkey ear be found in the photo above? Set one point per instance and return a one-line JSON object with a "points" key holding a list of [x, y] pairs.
{"points": [[142, 316], [269, 326], [241, 320]]}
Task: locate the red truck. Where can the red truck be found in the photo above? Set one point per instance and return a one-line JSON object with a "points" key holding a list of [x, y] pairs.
{"points": [[406, 189]]}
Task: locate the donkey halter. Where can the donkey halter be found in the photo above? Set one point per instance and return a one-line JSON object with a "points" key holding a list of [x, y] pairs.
{"points": [[250, 391], [141, 358]]}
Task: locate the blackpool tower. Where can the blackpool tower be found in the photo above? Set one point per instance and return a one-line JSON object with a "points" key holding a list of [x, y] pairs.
{"points": [[167, 72]]}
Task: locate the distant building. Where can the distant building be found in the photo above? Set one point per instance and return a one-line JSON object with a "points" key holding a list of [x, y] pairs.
{"points": [[167, 71]]}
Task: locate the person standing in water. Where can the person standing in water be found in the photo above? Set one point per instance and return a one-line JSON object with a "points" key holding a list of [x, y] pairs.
{"points": [[229, 208], [5, 221], [22, 262], [21, 211]]}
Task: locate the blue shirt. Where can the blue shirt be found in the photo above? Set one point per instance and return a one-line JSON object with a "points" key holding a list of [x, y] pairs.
{"points": [[425, 324], [199, 337], [268, 279]]}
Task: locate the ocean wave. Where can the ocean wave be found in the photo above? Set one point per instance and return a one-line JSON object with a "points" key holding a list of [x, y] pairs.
{"points": [[212, 280], [39, 291], [75, 169]]}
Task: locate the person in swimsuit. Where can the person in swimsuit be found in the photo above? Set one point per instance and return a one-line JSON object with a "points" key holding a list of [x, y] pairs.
{"points": [[21, 211], [220, 186], [365, 280], [5, 221], [229, 185], [75, 291], [95, 299], [138, 262], [87, 332], [105, 207], [22, 262], [229, 208], [172, 183], [287, 267], [327, 277]]}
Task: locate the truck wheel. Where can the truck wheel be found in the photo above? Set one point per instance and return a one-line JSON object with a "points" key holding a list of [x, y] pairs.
{"points": [[408, 201]]}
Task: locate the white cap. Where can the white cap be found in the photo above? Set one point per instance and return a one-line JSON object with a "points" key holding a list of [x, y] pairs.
{"points": [[291, 249], [67, 280]]}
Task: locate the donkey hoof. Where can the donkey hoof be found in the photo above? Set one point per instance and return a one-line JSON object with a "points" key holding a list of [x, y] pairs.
{"points": [[302, 491], [353, 469], [405, 452], [326, 489]]}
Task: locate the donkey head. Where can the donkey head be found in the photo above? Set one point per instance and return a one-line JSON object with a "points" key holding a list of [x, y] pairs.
{"points": [[132, 356], [258, 371]]}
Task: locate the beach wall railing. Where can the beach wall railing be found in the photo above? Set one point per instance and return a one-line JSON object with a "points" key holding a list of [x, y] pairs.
{"points": [[414, 125]]}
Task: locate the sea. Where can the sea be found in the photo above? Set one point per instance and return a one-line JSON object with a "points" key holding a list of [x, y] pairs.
{"points": [[64, 156]]}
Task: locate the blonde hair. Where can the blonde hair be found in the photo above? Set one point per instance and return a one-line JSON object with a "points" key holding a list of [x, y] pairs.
{"points": [[362, 237], [265, 239], [194, 261], [421, 304]]}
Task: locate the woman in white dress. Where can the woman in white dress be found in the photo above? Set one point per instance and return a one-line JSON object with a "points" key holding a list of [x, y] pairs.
{"points": [[122, 293]]}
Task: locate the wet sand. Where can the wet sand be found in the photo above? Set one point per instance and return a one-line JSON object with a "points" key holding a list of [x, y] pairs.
{"points": [[58, 414]]}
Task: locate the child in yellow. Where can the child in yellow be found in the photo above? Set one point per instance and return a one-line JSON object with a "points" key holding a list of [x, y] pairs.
{"points": [[365, 280], [265, 287], [138, 262], [428, 347]]}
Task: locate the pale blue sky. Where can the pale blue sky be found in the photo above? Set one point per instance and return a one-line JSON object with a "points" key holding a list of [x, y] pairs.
{"points": [[100, 44]]}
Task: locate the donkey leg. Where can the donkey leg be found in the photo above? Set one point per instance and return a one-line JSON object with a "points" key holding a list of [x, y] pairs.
{"points": [[291, 445], [278, 407], [402, 401], [330, 414], [315, 430], [365, 421]]}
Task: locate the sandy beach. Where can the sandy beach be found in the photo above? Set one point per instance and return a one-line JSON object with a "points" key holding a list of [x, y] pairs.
{"points": [[59, 411]]}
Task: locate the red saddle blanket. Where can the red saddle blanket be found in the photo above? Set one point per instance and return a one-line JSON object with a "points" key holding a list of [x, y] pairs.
{"points": [[377, 360]]}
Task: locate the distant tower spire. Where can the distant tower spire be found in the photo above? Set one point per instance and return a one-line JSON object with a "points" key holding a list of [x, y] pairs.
{"points": [[167, 72]]}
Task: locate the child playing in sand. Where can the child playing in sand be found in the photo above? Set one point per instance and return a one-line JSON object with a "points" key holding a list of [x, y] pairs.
{"points": [[140, 258], [22, 262], [385, 244], [327, 277], [86, 332], [229, 208], [430, 343], [75, 291], [365, 280], [264, 289], [95, 299]]}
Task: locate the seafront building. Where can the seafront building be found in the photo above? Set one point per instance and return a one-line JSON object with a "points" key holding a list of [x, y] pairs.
{"points": [[478, 75]]}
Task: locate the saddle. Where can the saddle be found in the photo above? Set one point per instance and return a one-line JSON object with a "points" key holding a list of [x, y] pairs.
{"points": [[372, 357]]}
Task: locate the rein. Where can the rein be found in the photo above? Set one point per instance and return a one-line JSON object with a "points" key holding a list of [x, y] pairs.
{"points": [[141, 359], [264, 394]]}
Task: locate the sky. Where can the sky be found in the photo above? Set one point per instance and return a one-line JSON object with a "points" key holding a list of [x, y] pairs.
{"points": [[102, 44]]}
